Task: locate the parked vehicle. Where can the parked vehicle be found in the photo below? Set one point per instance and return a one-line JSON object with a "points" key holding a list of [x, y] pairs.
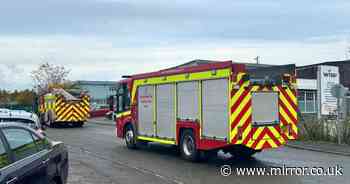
{"points": [[22, 117], [201, 109], [27, 157], [60, 107]]}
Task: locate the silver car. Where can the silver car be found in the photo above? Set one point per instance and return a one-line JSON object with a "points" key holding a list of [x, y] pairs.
{"points": [[23, 117]]}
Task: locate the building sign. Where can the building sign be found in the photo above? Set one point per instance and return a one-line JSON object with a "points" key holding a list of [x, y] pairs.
{"points": [[327, 76]]}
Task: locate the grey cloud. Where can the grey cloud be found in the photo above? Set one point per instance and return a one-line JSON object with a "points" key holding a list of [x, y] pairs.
{"points": [[147, 22]]}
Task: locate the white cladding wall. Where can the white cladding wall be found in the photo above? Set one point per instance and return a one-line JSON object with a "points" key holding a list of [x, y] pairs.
{"points": [[166, 110], [145, 110], [215, 108]]}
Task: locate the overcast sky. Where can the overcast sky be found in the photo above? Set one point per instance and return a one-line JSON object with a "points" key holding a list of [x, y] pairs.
{"points": [[104, 39]]}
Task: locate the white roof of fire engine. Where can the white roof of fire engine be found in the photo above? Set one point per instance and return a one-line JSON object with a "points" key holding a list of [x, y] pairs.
{"points": [[64, 93]]}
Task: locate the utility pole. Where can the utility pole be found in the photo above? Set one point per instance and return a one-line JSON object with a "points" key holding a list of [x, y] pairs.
{"points": [[341, 93], [257, 59]]}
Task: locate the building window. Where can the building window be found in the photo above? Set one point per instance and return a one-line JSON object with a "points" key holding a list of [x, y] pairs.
{"points": [[307, 100]]}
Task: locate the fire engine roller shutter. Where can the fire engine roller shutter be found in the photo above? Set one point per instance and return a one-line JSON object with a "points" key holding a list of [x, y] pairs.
{"points": [[188, 100], [166, 110], [145, 110], [215, 108]]}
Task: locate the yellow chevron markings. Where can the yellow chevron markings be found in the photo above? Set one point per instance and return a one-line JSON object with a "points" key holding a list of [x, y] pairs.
{"points": [[291, 95], [257, 132], [274, 132], [243, 120], [289, 107], [286, 117], [236, 96], [240, 107]]}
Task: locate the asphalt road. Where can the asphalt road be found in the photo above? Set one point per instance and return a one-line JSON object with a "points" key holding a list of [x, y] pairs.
{"points": [[97, 156]]}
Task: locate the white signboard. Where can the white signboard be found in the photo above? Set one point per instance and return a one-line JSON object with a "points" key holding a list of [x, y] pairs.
{"points": [[327, 76]]}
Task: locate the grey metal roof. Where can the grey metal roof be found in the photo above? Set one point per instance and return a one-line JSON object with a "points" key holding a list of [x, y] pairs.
{"points": [[198, 62], [333, 63]]}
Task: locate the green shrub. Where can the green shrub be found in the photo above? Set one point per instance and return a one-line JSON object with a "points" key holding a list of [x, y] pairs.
{"points": [[346, 132], [312, 129]]}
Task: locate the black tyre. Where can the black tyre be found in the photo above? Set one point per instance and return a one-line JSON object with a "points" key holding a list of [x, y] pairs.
{"points": [[188, 146], [64, 173], [79, 124], [130, 137]]}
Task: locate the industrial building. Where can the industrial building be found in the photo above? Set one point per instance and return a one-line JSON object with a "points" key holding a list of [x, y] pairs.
{"points": [[308, 84], [99, 91]]}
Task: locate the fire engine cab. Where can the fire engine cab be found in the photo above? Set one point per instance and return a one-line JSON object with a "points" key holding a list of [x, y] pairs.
{"points": [[217, 106]]}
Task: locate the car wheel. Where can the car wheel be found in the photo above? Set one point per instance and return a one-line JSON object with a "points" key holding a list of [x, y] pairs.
{"points": [[64, 173], [129, 137], [188, 146]]}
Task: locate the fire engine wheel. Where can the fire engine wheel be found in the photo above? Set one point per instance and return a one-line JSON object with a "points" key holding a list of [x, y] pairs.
{"points": [[78, 124], [129, 137], [188, 146]]}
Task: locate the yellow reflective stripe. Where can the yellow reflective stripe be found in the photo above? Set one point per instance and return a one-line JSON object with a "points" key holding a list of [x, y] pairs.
{"points": [[239, 77], [240, 107], [289, 107], [274, 132], [123, 114], [286, 117], [237, 95], [257, 132], [272, 143], [291, 95], [245, 117], [255, 88], [260, 144], [156, 140]]}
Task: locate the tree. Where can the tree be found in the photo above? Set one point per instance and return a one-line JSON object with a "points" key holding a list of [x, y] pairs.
{"points": [[49, 76], [4, 97], [25, 97]]}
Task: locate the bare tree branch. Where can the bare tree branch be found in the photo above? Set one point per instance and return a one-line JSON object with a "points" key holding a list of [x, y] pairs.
{"points": [[49, 76]]}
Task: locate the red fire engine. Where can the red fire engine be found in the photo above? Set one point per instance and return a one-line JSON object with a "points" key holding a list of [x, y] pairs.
{"points": [[238, 108]]}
